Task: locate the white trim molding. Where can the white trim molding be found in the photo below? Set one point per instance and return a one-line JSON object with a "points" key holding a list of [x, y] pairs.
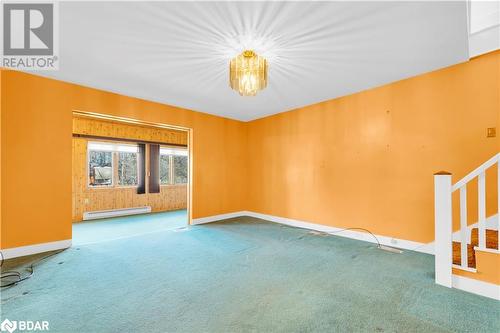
{"points": [[216, 218], [358, 235], [494, 251], [476, 287], [462, 268], [22, 251]]}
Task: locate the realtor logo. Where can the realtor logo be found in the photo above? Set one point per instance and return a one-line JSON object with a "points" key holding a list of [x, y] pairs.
{"points": [[28, 29], [8, 325], [30, 36]]}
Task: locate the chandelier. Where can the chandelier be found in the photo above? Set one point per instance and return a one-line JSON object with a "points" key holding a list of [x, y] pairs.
{"points": [[248, 73]]}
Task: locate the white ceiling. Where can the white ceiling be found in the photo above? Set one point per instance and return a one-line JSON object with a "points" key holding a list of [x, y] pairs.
{"points": [[178, 53]]}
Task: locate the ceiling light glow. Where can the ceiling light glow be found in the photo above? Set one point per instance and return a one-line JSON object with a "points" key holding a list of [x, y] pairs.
{"points": [[248, 73]]}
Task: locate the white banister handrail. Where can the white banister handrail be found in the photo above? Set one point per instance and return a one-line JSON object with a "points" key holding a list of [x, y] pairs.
{"points": [[486, 165], [443, 190]]}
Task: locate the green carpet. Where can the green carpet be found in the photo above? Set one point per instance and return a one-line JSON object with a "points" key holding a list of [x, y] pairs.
{"points": [[243, 275], [126, 226]]}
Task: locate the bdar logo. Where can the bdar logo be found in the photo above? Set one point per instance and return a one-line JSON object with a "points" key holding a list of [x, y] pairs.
{"points": [[8, 325]]}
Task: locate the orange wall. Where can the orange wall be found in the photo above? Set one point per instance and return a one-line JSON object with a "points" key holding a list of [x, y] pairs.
{"points": [[367, 160], [36, 140], [363, 160], [487, 265]]}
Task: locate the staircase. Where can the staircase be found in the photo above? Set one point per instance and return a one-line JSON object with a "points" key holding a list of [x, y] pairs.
{"points": [[473, 251], [491, 243]]}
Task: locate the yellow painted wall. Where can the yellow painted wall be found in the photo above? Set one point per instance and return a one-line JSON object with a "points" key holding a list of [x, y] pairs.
{"points": [[487, 266], [37, 139], [85, 198], [367, 160], [363, 160]]}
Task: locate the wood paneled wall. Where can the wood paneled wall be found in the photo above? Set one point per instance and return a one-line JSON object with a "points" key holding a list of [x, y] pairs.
{"points": [[85, 199], [91, 126]]}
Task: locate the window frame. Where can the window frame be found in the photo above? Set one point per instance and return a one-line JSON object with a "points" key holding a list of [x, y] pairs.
{"points": [[114, 166], [87, 176], [171, 171], [117, 154]]}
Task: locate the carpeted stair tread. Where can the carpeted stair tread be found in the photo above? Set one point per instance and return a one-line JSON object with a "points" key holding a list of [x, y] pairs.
{"points": [[491, 238], [470, 254]]}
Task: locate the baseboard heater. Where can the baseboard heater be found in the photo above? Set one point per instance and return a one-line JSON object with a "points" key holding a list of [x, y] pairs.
{"points": [[101, 214]]}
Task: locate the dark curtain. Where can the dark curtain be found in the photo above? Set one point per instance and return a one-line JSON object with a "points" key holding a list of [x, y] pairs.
{"points": [[154, 168], [141, 188]]}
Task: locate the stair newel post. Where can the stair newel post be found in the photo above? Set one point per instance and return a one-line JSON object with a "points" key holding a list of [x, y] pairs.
{"points": [[443, 228]]}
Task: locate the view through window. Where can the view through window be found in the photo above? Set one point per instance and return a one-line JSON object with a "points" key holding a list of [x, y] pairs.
{"points": [[173, 166], [112, 164], [100, 168]]}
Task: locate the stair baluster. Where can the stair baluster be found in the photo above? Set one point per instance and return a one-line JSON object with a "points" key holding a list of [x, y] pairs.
{"points": [[463, 226], [443, 225]]}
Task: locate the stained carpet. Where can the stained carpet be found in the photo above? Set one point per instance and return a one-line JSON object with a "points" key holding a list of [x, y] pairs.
{"points": [[243, 275]]}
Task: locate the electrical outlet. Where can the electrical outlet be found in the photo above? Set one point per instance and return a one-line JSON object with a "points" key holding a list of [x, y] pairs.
{"points": [[491, 132]]}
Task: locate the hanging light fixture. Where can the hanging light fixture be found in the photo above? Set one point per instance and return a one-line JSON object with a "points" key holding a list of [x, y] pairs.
{"points": [[248, 73]]}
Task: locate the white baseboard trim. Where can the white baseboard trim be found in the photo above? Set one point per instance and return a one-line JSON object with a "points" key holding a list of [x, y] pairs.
{"points": [[21, 251], [476, 287], [215, 218], [358, 235], [466, 269]]}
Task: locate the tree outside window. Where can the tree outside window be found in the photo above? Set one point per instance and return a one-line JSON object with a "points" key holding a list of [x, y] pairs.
{"points": [[100, 168], [164, 169], [127, 169], [173, 166], [180, 169], [111, 164]]}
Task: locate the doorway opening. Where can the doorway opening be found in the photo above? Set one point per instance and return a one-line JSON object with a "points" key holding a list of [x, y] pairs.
{"points": [[129, 177]]}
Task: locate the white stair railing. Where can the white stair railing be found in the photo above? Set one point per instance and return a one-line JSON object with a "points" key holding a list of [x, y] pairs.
{"points": [[443, 218]]}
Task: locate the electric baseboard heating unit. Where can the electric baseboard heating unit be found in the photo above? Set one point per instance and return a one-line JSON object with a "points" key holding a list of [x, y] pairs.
{"points": [[101, 214]]}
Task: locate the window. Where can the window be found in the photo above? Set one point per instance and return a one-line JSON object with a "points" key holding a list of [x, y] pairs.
{"points": [[173, 166], [127, 169], [164, 169], [103, 171], [180, 169], [100, 168]]}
